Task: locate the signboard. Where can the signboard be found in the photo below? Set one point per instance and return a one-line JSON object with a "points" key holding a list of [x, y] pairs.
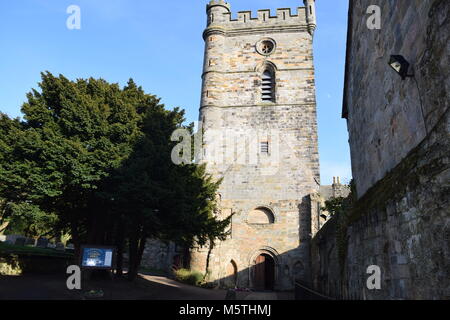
{"points": [[97, 257]]}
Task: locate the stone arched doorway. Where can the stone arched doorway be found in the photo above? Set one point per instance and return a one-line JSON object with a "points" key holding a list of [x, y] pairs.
{"points": [[230, 279], [264, 272], [264, 269]]}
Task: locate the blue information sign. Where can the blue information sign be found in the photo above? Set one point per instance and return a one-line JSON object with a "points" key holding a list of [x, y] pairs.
{"points": [[93, 257]]}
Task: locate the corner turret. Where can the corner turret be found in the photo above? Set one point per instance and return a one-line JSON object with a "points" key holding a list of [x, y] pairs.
{"points": [[218, 12], [310, 7]]}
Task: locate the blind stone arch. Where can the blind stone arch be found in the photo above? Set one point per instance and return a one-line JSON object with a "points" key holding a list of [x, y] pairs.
{"points": [[261, 215], [229, 277]]}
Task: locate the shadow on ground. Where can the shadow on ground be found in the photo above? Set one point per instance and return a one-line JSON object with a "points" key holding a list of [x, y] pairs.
{"points": [[146, 287]]}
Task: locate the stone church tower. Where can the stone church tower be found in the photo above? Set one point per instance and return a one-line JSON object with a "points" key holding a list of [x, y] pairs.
{"points": [[258, 117]]}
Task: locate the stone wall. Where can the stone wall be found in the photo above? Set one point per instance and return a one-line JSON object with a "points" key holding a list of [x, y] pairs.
{"points": [[402, 225], [400, 150], [388, 117], [160, 256]]}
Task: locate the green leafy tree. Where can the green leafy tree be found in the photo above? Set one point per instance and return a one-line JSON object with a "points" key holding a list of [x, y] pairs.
{"points": [[340, 205], [31, 221], [158, 199], [334, 205], [75, 134], [98, 158]]}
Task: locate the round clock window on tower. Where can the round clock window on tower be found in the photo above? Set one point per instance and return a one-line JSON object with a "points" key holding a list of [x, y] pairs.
{"points": [[266, 47]]}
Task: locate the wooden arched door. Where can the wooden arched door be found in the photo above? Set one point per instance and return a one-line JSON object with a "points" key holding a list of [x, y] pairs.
{"points": [[264, 276]]}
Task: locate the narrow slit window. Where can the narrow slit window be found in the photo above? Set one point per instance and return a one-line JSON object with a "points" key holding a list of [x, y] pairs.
{"points": [[268, 84], [265, 147]]}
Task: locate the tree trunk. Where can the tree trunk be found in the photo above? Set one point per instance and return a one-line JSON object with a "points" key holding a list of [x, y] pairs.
{"points": [[142, 243], [3, 222], [3, 226], [76, 242], [96, 232], [211, 247], [120, 243], [133, 248], [137, 246], [186, 257]]}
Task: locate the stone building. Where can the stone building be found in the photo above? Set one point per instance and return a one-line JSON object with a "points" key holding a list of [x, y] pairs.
{"points": [[399, 131], [258, 116], [319, 216]]}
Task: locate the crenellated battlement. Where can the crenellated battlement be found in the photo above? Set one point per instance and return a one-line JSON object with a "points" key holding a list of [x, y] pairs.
{"points": [[221, 17], [282, 16]]}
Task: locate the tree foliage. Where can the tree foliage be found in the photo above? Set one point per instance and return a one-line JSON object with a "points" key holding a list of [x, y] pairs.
{"points": [[93, 159], [31, 221]]}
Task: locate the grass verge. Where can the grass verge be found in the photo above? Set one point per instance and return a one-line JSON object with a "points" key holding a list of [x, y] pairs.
{"points": [[6, 248]]}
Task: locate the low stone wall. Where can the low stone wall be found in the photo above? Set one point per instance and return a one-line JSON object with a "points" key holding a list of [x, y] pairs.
{"points": [[159, 255], [324, 261], [402, 225]]}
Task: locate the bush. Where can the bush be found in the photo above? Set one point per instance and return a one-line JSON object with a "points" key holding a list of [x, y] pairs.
{"points": [[20, 264], [193, 278]]}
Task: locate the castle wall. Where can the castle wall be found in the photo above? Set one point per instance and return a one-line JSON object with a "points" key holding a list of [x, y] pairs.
{"points": [[159, 255], [385, 117], [402, 226], [401, 220]]}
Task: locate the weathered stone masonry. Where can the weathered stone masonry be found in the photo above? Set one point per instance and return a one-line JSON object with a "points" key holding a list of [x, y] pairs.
{"points": [[400, 159], [269, 196], [384, 114], [400, 146]]}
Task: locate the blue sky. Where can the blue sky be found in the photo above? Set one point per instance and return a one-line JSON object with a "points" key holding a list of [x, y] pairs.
{"points": [[158, 44]]}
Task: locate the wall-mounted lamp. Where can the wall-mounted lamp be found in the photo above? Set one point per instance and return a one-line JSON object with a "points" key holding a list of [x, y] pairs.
{"points": [[400, 65]]}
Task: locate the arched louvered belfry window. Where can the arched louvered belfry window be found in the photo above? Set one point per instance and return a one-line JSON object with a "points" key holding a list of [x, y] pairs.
{"points": [[268, 86]]}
